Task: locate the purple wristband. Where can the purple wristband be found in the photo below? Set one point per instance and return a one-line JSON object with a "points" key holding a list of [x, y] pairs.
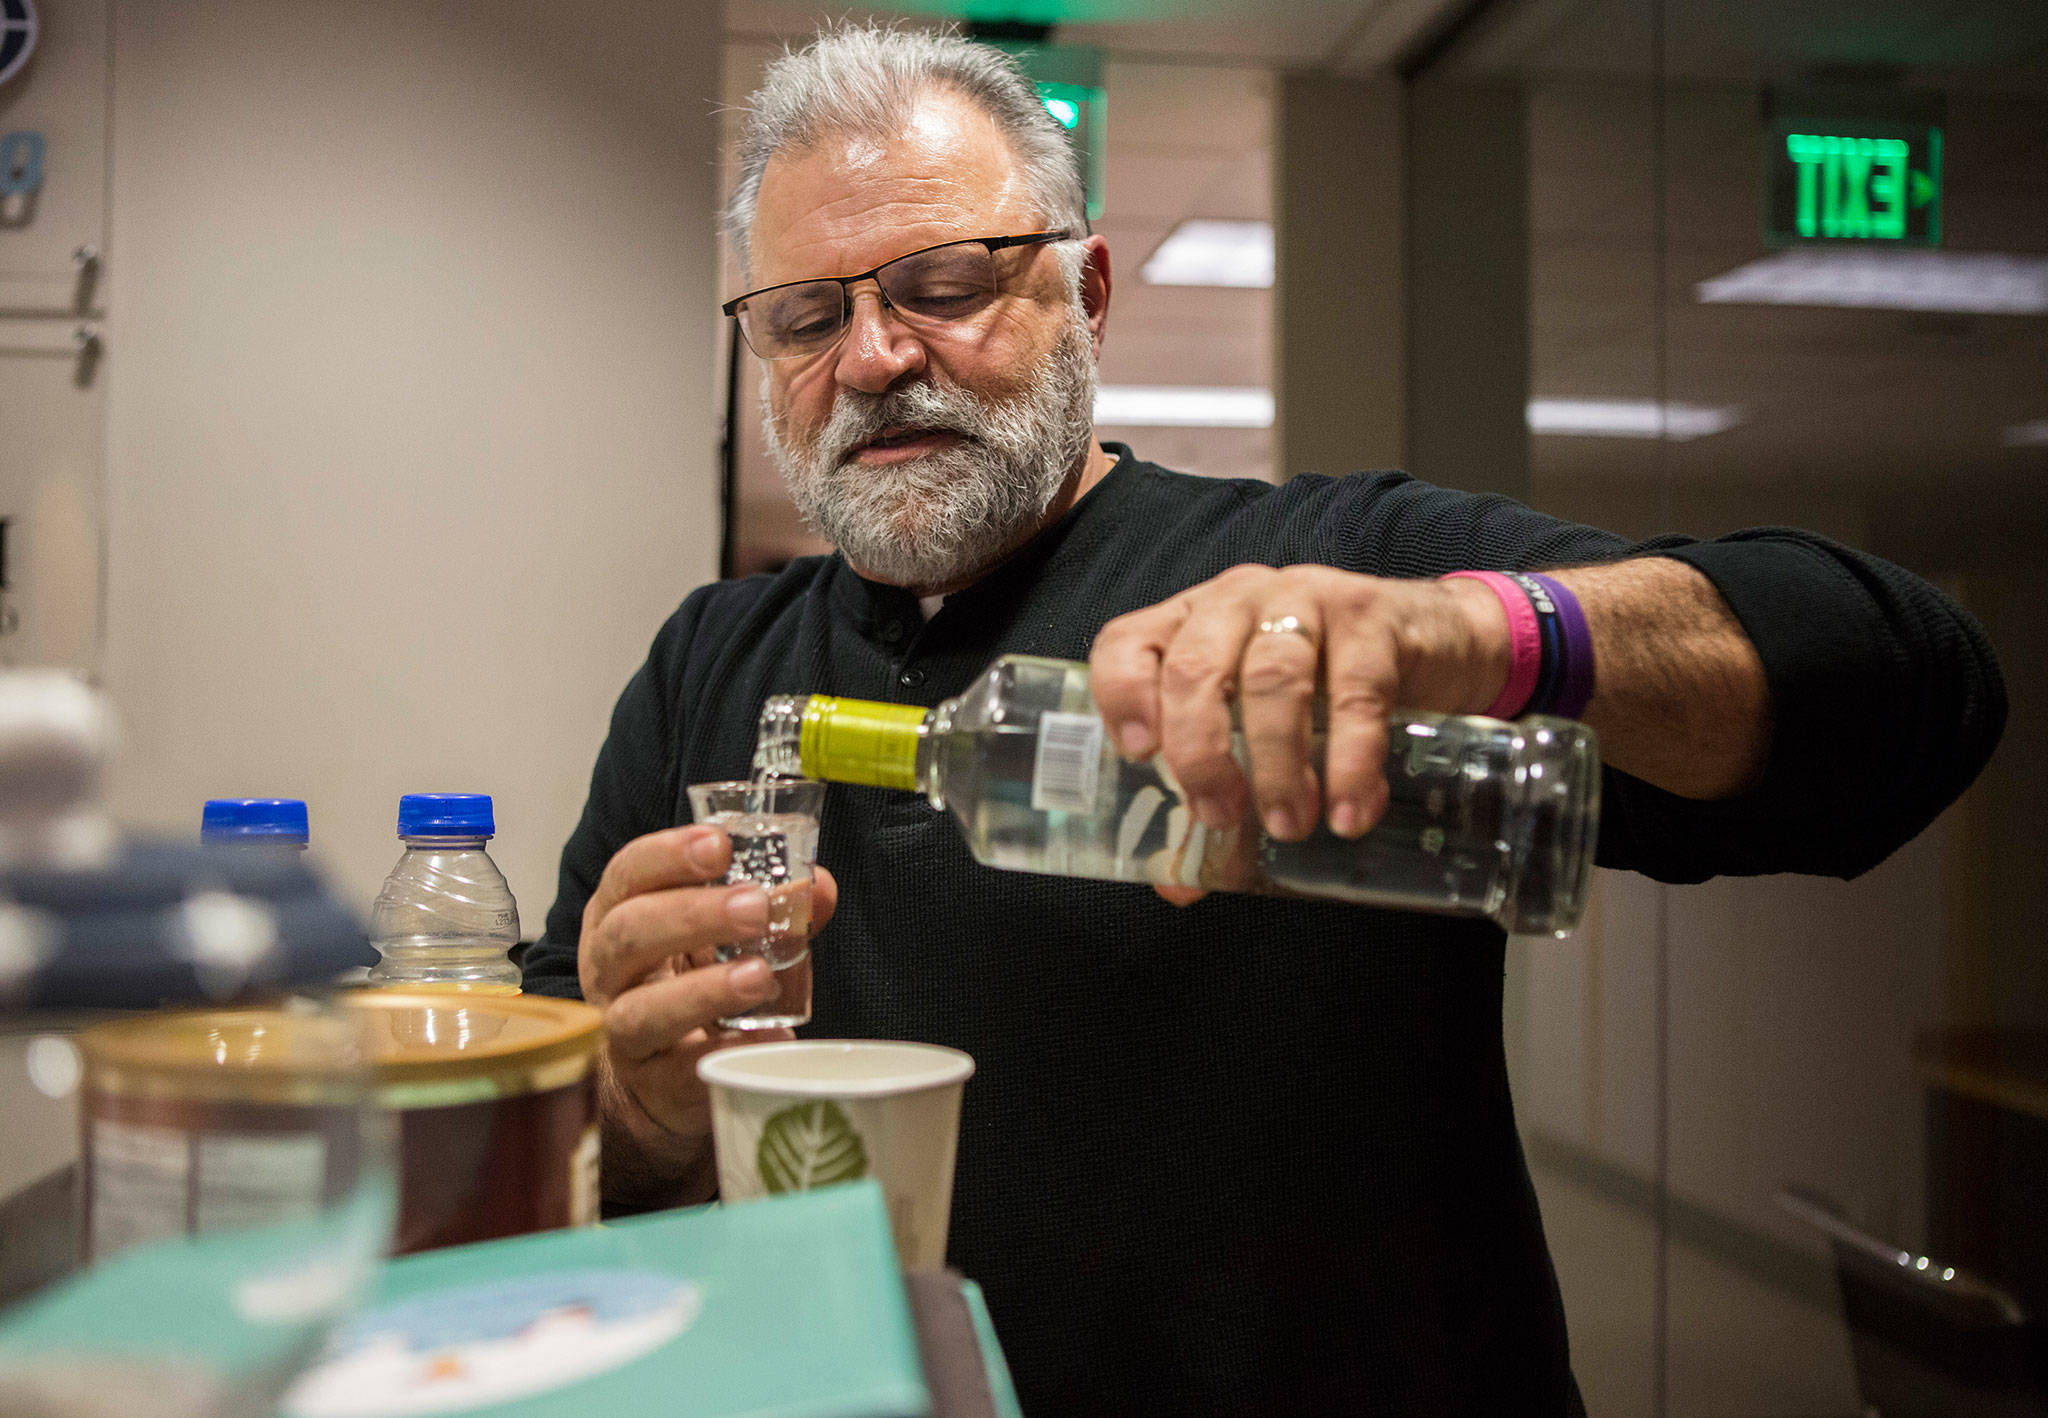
{"points": [[1575, 679]]}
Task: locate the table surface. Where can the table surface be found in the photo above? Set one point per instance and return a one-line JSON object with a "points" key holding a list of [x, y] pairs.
{"points": [[963, 1366]]}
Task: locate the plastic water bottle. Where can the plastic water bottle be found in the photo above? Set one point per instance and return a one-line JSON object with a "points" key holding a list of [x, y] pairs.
{"points": [[269, 827], [445, 919]]}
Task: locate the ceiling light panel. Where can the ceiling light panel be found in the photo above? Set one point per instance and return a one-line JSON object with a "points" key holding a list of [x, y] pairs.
{"points": [[1955, 282], [1213, 253], [1182, 406], [1629, 418]]}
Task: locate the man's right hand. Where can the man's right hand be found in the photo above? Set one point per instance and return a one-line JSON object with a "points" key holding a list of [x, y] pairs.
{"points": [[647, 959]]}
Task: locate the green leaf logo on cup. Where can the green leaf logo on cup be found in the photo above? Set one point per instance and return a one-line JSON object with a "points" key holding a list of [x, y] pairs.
{"points": [[805, 1113], [809, 1145]]}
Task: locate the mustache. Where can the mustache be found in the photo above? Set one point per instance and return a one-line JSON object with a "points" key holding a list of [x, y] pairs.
{"points": [[950, 513], [859, 418]]}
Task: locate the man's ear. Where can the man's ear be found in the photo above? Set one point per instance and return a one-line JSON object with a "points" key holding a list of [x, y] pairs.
{"points": [[1095, 287]]}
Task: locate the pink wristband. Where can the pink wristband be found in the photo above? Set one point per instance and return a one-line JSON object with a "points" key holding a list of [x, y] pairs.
{"points": [[1525, 642]]}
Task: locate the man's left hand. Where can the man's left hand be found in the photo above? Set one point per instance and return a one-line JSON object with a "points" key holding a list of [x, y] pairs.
{"points": [[1269, 641]]}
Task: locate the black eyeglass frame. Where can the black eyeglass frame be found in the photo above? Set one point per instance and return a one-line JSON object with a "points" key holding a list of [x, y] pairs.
{"points": [[993, 243]]}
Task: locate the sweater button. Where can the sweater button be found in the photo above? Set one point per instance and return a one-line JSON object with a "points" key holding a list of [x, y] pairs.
{"points": [[892, 631], [910, 679]]}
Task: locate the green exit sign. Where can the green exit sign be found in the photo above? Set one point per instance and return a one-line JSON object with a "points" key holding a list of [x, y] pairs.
{"points": [[1069, 80], [1841, 173], [1081, 109]]}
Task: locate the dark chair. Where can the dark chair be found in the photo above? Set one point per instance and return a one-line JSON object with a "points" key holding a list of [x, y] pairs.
{"points": [[1929, 1341]]}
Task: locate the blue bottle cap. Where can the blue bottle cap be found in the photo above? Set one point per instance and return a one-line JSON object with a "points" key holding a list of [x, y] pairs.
{"points": [[445, 815], [240, 819]]}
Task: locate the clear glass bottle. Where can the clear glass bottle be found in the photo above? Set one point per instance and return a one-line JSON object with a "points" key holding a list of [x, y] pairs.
{"points": [[1485, 818], [445, 918]]}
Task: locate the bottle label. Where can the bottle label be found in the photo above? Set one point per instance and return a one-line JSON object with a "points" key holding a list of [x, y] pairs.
{"points": [[242, 1180], [1069, 760], [583, 1180], [150, 1183], [141, 1185]]}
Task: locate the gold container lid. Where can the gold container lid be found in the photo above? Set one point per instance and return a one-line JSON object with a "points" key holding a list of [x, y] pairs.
{"points": [[254, 1055], [405, 1049], [434, 1047]]}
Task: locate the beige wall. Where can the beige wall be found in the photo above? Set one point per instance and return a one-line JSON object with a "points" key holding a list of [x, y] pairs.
{"points": [[411, 426], [1340, 367]]}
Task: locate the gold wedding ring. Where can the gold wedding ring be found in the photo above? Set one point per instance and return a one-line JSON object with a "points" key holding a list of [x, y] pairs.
{"points": [[1287, 625]]}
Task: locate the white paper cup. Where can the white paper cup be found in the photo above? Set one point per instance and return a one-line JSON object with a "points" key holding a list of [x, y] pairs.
{"points": [[792, 1116]]}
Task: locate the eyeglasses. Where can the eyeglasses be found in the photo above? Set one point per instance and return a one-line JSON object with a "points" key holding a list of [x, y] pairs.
{"points": [[942, 283]]}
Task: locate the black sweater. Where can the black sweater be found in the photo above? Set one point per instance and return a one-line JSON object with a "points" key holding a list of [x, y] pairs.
{"points": [[1255, 1156]]}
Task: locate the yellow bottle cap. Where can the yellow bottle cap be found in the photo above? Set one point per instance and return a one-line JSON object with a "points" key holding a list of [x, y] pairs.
{"points": [[860, 741]]}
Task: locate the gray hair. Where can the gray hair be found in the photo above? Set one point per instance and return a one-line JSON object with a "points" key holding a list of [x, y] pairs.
{"points": [[865, 80]]}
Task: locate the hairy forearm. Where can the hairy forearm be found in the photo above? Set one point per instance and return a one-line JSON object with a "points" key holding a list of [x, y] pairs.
{"points": [[1679, 695], [643, 1168]]}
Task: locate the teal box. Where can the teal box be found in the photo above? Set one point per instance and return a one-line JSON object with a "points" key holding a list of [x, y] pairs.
{"points": [[788, 1307]]}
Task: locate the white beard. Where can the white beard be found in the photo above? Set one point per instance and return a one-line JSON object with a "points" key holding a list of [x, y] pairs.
{"points": [[944, 517]]}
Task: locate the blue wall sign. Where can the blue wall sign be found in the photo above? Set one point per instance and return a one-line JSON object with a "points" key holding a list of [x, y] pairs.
{"points": [[21, 163]]}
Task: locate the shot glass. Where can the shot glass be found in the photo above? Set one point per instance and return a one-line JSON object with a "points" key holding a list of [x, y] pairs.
{"points": [[773, 825]]}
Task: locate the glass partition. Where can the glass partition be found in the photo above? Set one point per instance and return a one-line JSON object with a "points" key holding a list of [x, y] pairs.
{"points": [[1733, 1096], [1863, 1047]]}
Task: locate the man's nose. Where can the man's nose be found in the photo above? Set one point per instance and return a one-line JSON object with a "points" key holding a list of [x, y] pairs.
{"points": [[878, 349]]}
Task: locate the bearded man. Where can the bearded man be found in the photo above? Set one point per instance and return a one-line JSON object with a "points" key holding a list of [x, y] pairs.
{"points": [[1241, 1155]]}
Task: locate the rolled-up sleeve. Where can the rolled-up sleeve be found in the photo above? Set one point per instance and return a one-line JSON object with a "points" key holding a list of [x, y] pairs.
{"points": [[1886, 702], [1886, 698]]}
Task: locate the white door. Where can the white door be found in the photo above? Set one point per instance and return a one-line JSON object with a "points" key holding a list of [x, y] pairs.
{"points": [[53, 182]]}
